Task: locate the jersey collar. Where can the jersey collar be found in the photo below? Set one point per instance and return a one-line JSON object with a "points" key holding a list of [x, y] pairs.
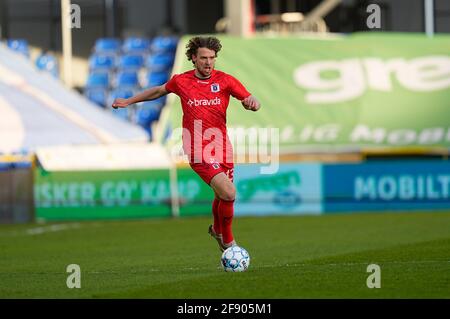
{"points": [[205, 79]]}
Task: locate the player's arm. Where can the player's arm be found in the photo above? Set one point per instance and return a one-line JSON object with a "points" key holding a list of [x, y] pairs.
{"points": [[147, 95], [251, 103]]}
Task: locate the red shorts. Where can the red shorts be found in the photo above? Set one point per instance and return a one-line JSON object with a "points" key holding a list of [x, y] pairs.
{"points": [[208, 170]]}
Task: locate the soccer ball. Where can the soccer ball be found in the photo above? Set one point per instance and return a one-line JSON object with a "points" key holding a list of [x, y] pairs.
{"points": [[235, 259]]}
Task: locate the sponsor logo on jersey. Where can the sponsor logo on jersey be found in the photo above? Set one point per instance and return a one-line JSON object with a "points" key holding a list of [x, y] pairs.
{"points": [[204, 102], [215, 88]]}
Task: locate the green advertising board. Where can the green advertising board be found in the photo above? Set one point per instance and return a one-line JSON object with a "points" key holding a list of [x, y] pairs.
{"points": [[70, 195], [195, 195], [346, 93]]}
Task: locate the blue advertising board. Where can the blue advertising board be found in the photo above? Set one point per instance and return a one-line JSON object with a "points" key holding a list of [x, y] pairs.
{"points": [[293, 189], [386, 185]]}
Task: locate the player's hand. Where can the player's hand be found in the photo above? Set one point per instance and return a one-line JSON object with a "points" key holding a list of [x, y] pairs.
{"points": [[120, 103], [251, 103]]}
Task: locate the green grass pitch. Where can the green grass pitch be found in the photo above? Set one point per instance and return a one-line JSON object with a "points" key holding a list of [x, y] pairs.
{"points": [[291, 257]]}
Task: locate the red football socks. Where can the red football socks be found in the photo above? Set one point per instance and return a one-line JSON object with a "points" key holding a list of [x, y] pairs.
{"points": [[215, 210], [226, 211]]}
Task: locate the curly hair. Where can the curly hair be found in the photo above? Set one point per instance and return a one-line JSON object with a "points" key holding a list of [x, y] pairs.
{"points": [[195, 43]]}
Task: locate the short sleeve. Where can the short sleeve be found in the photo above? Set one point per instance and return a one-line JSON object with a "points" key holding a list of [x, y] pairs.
{"points": [[171, 85], [236, 88]]}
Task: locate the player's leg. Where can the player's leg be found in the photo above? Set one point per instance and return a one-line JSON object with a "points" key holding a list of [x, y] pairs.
{"points": [[215, 209], [226, 191], [215, 230]]}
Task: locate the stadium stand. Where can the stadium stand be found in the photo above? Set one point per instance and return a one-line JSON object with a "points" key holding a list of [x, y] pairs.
{"points": [[131, 62], [97, 95], [48, 62], [136, 45], [20, 46], [107, 45], [98, 79], [38, 110], [45, 61], [120, 68], [127, 79], [123, 92], [102, 62]]}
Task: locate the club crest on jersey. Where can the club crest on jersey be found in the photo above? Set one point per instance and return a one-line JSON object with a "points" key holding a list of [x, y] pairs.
{"points": [[215, 87], [214, 164]]}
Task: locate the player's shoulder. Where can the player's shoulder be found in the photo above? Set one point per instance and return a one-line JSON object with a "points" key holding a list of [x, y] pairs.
{"points": [[185, 75], [223, 76]]}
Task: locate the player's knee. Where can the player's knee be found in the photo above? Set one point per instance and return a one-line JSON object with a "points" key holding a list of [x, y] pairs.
{"points": [[229, 193]]}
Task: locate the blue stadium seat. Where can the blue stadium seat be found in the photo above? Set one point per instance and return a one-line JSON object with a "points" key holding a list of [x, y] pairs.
{"points": [[47, 62], [19, 45], [98, 79], [131, 62], [160, 62], [148, 129], [164, 44], [102, 62], [146, 114], [136, 45], [156, 78], [126, 79], [123, 93], [97, 95], [107, 45], [123, 113], [161, 101]]}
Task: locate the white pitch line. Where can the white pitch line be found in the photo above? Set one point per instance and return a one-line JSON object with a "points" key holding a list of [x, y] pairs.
{"points": [[48, 229], [40, 230], [355, 264], [51, 228]]}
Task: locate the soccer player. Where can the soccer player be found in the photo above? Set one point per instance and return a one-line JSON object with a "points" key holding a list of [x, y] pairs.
{"points": [[205, 94]]}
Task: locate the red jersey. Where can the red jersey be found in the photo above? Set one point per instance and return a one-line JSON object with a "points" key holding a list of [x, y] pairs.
{"points": [[205, 103]]}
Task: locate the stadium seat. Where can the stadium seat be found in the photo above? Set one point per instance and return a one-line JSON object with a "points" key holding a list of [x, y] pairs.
{"points": [[136, 45], [107, 45], [164, 44], [102, 62], [98, 79], [156, 78], [127, 79], [146, 114], [123, 93], [123, 113], [161, 101], [97, 95], [19, 45], [148, 129], [47, 62], [131, 62], [160, 62]]}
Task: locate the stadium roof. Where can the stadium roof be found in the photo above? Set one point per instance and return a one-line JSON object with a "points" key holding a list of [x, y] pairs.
{"points": [[37, 110]]}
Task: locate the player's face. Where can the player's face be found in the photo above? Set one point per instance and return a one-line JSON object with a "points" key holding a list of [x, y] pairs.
{"points": [[204, 61]]}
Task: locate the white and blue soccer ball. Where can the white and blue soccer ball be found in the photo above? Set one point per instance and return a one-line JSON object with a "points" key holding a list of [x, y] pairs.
{"points": [[235, 259]]}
